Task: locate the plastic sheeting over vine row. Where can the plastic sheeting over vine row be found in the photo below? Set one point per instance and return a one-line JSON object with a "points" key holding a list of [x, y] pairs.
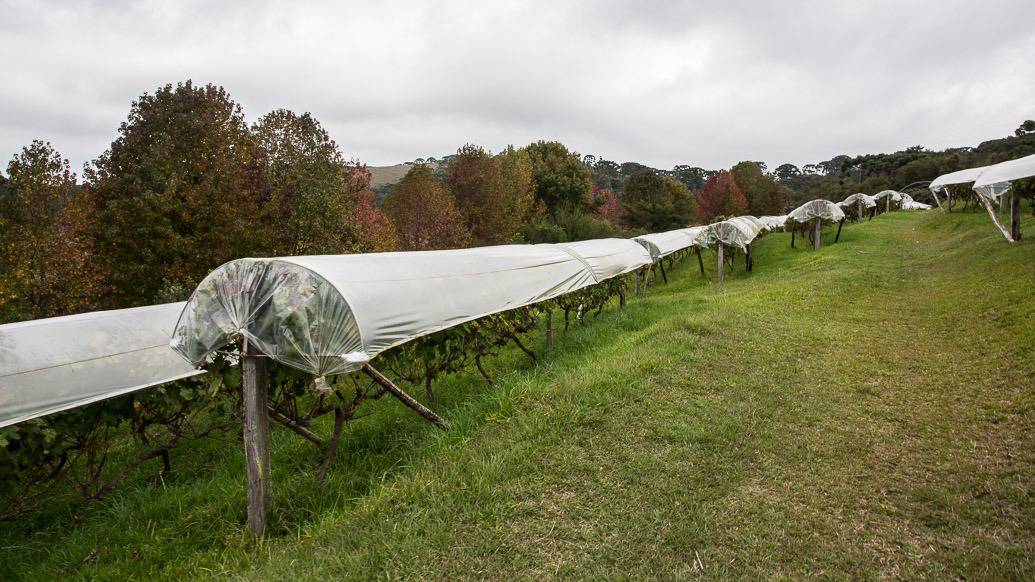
{"points": [[322, 314]]}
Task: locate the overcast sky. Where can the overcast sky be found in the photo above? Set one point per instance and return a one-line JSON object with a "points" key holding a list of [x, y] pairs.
{"points": [[704, 83]]}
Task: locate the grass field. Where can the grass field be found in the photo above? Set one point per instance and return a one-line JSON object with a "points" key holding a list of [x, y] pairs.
{"points": [[864, 411]]}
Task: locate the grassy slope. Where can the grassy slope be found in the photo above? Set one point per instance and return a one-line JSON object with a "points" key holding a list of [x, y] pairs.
{"points": [[865, 411]]}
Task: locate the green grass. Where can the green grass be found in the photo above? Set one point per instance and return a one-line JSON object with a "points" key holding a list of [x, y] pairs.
{"points": [[864, 411]]}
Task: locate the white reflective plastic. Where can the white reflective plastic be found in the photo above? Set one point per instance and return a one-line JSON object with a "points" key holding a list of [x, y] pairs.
{"points": [[54, 364], [736, 232], [1006, 172], [822, 209], [609, 257], [699, 235], [895, 196], [773, 223], [663, 244], [958, 177], [909, 204], [858, 198], [330, 314]]}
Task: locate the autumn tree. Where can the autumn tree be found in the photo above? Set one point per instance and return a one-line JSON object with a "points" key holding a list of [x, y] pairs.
{"points": [[375, 232], [308, 183], [764, 195], [178, 192], [720, 196], [494, 193], [609, 206], [47, 262], [562, 181], [424, 213], [655, 202]]}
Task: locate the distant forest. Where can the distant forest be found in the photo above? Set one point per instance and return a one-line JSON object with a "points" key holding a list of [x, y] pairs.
{"points": [[189, 184]]}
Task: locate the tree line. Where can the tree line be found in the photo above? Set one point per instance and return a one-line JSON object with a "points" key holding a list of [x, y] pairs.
{"points": [[189, 184]]}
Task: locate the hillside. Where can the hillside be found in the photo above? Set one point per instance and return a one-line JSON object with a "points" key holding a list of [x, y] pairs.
{"points": [[862, 410], [381, 176]]}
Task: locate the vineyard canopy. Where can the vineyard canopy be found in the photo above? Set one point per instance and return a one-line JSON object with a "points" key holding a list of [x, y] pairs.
{"points": [[59, 363], [822, 209], [736, 232], [331, 314], [663, 244], [858, 198], [995, 180]]}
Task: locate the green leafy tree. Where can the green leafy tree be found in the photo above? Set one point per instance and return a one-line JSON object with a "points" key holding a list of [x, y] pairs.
{"points": [[562, 181], [308, 183], [178, 192], [494, 193], [424, 213], [764, 195], [655, 202], [48, 266]]}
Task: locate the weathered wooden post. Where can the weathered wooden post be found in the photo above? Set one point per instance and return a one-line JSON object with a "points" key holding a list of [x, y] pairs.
{"points": [[722, 263], [255, 381], [860, 211], [664, 277], [748, 261], [794, 231], [1015, 214], [636, 282], [839, 225], [819, 226], [700, 261], [887, 202]]}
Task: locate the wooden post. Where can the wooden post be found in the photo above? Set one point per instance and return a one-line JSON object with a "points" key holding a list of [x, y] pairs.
{"points": [[860, 211], [748, 261], [839, 225], [1015, 214], [819, 226], [887, 201], [664, 277], [403, 396], [255, 379], [722, 263], [700, 261], [549, 330], [636, 282], [794, 231]]}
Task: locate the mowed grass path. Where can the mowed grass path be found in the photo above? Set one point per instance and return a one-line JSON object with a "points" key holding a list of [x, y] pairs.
{"points": [[863, 411]]}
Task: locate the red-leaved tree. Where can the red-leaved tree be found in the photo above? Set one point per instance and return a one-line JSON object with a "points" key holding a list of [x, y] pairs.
{"points": [[608, 205], [374, 230], [720, 197]]}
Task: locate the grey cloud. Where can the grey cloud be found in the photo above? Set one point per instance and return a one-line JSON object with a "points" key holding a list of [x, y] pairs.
{"points": [[706, 83]]}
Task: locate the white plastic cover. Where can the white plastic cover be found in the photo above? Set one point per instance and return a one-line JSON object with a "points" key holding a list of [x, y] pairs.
{"points": [[1006, 171], [895, 196], [858, 198], [736, 232], [772, 223], [698, 234], [819, 208], [609, 257], [959, 177], [331, 314], [663, 244], [54, 364], [995, 180], [909, 204]]}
